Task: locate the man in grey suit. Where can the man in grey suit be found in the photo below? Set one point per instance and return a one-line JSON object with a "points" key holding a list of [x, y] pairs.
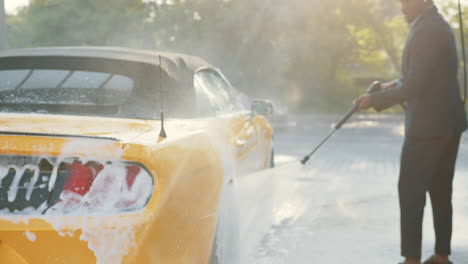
{"points": [[435, 120]]}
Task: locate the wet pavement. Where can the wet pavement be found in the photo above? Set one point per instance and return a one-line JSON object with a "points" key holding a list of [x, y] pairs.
{"points": [[343, 206]]}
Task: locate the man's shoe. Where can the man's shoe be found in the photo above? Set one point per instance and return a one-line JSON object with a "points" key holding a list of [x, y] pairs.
{"points": [[431, 261]]}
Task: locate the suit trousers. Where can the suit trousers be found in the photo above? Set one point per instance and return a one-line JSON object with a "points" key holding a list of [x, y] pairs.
{"points": [[427, 165]]}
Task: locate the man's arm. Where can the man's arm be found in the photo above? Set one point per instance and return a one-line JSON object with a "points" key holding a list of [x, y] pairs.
{"points": [[390, 85], [425, 49]]}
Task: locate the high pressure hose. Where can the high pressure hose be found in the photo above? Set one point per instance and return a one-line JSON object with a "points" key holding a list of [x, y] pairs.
{"points": [[462, 36]]}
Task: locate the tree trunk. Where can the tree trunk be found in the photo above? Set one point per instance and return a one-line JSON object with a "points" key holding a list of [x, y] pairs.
{"points": [[3, 27]]}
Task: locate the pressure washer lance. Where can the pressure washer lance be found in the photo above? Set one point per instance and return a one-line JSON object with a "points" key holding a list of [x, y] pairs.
{"points": [[374, 87]]}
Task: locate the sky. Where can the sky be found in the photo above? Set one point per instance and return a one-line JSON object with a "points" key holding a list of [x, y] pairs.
{"points": [[12, 5]]}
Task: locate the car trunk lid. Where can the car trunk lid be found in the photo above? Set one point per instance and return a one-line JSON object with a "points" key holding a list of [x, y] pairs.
{"points": [[75, 126]]}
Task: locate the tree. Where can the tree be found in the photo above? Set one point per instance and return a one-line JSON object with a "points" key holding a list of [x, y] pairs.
{"points": [[341, 41], [3, 27], [307, 53], [76, 22]]}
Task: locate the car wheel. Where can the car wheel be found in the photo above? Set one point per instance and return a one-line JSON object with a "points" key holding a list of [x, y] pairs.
{"points": [[271, 162], [226, 244], [214, 259]]}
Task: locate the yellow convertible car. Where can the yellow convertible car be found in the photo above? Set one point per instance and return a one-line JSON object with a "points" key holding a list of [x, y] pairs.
{"points": [[111, 155]]}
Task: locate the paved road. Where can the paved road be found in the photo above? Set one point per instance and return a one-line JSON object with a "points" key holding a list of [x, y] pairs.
{"points": [[343, 206]]}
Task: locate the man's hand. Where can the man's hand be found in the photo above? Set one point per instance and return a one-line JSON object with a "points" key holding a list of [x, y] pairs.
{"points": [[364, 102], [389, 85]]}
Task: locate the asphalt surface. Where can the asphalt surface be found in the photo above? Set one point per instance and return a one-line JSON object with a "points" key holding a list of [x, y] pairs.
{"points": [[343, 206]]}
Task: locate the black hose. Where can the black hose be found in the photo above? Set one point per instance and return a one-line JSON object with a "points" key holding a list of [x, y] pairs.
{"points": [[462, 33], [374, 87]]}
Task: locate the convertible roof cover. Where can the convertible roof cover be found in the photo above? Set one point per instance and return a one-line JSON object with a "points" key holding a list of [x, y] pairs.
{"points": [[174, 64]]}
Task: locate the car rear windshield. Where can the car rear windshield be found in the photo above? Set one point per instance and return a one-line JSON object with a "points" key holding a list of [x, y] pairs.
{"points": [[63, 91]]}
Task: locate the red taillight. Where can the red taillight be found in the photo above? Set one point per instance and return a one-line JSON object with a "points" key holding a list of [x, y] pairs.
{"points": [[82, 176], [110, 188], [132, 172]]}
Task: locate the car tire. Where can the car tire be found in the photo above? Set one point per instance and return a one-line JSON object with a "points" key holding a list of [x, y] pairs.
{"points": [[271, 162], [214, 259], [226, 244]]}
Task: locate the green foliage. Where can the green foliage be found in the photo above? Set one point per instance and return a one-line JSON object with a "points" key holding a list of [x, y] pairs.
{"points": [[310, 54], [345, 48], [75, 22]]}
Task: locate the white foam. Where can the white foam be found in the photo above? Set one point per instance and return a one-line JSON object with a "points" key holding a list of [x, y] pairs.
{"points": [[33, 182], [31, 236], [53, 176], [15, 184]]}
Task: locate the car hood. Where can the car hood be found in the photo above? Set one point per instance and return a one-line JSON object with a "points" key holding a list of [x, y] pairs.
{"points": [[129, 130]]}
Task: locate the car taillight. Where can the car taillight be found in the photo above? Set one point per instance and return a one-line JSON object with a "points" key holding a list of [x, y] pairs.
{"points": [[95, 187], [48, 185], [81, 177]]}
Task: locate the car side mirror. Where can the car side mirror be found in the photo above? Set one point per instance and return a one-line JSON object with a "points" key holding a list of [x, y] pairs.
{"points": [[261, 107]]}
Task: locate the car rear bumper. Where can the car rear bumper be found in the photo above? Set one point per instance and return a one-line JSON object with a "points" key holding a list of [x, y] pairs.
{"points": [[80, 240], [8, 255], [43, 246]]}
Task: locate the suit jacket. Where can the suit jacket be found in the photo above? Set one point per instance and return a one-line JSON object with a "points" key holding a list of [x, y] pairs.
{"points": [[429, 85]]}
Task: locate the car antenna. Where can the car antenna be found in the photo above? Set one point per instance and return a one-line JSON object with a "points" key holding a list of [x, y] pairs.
{"points": [[462, 37], [162, 133]]}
